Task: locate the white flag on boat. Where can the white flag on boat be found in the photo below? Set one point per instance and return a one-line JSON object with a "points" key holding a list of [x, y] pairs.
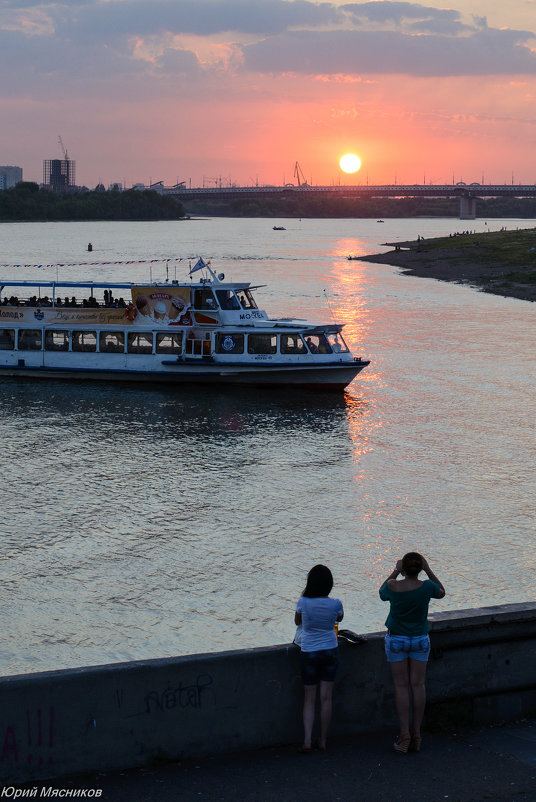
{"points": [[199, 265]]}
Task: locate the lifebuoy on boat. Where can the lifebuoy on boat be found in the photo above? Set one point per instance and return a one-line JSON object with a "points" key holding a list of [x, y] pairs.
{"points": [[131, 312]]}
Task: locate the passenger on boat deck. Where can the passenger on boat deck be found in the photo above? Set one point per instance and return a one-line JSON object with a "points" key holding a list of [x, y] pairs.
{"points": [[73, 301], [66, 301], [312, 347], [58, 302]]}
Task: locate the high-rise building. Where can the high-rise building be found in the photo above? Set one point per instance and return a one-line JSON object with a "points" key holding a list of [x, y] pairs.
{"points": [[9, 176], [59, 174]]}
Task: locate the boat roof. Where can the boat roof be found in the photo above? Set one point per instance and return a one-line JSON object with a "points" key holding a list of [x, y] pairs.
{"points": [[111, 284], [238, 285]]}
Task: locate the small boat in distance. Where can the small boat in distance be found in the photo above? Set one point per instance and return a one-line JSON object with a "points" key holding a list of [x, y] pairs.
{"points": [[206, 332], [279, 228], [353, 258]]}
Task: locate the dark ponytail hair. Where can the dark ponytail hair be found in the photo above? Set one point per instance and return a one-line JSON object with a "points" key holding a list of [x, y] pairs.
{"points": [[319, 582], [412, 564]]}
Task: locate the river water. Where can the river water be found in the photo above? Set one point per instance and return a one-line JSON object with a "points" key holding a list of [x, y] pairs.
{"points": [[143, 523]]}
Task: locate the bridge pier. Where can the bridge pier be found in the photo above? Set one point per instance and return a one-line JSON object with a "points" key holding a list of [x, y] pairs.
{"points": [[467, 208]]}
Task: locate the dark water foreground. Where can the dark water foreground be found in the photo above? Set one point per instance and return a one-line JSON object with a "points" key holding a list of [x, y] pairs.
{"points": [[146, 523]]}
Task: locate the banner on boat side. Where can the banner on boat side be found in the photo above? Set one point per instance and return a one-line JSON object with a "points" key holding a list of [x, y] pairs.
{"points": [[169, 305], [62, 315]]}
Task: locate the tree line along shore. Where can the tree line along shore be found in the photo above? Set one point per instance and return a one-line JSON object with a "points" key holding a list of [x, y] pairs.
{"points": [[499, 262], [26, 202]]}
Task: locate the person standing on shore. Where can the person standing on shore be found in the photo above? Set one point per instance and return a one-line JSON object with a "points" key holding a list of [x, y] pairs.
{"points": [[318, 613], [407, 643]]}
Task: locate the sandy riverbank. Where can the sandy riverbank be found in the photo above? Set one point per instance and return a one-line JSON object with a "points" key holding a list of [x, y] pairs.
{"points": [[502, 262]]}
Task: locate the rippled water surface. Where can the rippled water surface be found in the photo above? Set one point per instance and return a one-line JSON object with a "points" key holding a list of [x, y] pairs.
{"points": [[143, 522]]}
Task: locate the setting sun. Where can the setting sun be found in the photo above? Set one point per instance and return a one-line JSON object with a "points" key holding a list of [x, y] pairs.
{"points": [[350, 163]]}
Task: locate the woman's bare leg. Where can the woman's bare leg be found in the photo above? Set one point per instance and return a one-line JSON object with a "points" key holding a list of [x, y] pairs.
{"points": [[326, 692], [309, 700], [417, 674], [400, 674]]}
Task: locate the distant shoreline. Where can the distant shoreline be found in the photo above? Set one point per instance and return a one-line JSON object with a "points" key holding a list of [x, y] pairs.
{"points": [[502, 263]]}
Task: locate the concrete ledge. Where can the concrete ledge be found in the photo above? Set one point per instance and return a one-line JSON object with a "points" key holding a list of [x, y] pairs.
{"points": [[133, 714]]}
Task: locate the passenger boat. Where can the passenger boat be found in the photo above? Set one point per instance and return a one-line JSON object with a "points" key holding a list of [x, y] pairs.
{"points": [[204, 331]]}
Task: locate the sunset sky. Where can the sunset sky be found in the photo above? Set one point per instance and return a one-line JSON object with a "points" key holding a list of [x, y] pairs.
{"points": [[239, 90]]}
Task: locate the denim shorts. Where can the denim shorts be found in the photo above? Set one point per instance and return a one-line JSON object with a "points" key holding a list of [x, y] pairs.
{"points": [[400, 647], [319, 666]]}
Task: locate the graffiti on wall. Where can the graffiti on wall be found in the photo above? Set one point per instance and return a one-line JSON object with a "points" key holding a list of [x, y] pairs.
{"points": [[30, 740]]}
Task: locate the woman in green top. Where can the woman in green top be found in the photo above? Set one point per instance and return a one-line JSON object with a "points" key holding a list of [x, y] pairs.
{"points": [[407, 644]]}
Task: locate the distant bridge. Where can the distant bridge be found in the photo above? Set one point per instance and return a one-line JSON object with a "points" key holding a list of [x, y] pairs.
{"points": [[467, 193]]}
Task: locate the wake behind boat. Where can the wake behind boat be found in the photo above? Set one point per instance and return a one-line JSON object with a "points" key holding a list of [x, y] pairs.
{"points": [[210, 331]]}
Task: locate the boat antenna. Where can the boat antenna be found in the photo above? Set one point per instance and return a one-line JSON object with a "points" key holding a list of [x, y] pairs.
{"points": [[329, 305]]}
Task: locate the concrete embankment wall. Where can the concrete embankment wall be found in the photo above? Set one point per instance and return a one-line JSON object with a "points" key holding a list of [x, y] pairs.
{"points": [[482, 669]]}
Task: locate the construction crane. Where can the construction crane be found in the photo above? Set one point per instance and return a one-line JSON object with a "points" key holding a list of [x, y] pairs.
{"points": [[299, 176], [64, 149]]}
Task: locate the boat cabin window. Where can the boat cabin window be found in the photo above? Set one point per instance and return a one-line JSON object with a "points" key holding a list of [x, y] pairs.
{"points": [[246, 299], [262, 343], [84, 341], [229, 343], [227, 299], [317, 343], [204, 299], [7, 339], [292, 344], [140, 343], [30, 339], [338, 346], [56, 340], [167, 343], [112, 342]]}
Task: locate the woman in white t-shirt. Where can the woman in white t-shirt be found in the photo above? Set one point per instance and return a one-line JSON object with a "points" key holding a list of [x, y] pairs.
{"points": [[318, 614]]}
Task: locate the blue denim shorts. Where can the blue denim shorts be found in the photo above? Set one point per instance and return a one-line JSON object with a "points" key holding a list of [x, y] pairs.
{"points": [[400, 647], [319, 666]]}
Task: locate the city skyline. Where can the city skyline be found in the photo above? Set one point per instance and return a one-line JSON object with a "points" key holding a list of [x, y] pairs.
{"points": [[210, 92]]}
